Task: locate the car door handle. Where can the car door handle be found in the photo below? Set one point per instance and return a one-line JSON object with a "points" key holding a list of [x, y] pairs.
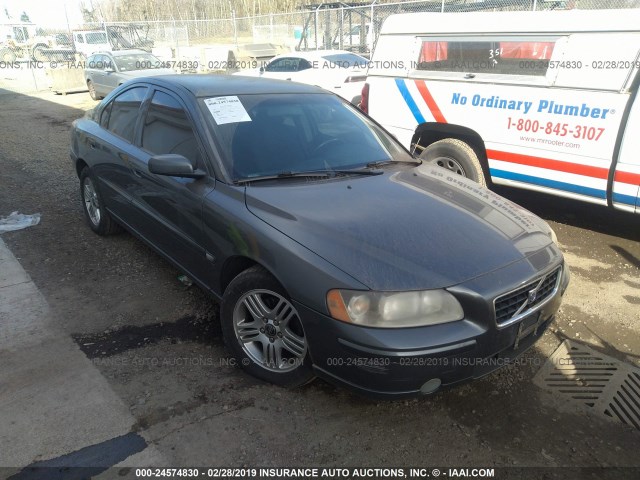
{"points": [[123, 156], [93, 145], [137, 173]]}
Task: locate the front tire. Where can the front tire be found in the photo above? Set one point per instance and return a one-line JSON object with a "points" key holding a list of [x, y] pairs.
{"points": [[96, 215], [456, 156], [7, 55], [263, 331]]}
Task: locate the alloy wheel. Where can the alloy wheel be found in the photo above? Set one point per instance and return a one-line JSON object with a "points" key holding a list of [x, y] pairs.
{"points": [[91, 203], [269, 330]]}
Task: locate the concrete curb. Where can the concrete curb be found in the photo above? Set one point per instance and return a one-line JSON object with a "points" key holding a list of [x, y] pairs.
{"points": [[53, 400]]}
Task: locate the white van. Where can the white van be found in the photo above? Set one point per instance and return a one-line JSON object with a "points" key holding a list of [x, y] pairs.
{"points": [[88, 42], [539, 100]]}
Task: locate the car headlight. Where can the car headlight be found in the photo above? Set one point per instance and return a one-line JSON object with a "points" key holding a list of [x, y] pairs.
{"points": [[394, 309], [549, 231]]}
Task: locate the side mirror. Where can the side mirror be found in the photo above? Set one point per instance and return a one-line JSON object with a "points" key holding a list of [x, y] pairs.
{"points": [[172, 165]]}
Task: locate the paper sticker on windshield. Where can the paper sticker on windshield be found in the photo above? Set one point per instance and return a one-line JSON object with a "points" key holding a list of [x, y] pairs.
{"points": [[227, 110]]}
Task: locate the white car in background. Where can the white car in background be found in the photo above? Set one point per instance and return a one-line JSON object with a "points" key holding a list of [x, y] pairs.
{"points": [[341, 72]]}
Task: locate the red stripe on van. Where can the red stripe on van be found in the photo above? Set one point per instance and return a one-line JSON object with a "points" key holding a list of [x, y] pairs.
{"points": [[431, 103], [627, 177], [586, 170]]}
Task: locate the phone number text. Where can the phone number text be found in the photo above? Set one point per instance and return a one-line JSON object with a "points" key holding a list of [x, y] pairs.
{"points": [[583, 132]]}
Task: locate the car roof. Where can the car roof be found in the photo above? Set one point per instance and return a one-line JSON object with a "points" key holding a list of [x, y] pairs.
{"points": [[210, 85]]}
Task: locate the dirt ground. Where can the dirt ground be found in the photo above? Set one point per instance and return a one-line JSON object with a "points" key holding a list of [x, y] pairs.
{"points": [[158, 344]]}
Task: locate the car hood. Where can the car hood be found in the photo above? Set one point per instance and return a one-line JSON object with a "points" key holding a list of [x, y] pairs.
{"points": [[418, 228]]}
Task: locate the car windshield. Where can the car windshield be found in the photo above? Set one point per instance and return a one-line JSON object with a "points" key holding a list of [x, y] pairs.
{"points": [[263, 135], [137, 61], [346, 60]]}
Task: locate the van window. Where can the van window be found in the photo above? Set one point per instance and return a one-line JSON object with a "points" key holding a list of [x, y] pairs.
{"points": [[504, 56]]}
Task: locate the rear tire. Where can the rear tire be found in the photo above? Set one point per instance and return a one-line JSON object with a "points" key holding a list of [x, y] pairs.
{"points": [[92, 91], [38, 53], [263, 330], [457, 157], [95, 213]]}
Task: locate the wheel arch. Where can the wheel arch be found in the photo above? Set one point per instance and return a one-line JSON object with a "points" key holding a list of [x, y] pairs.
{"points": [[234, 266], [80, 164], [36, 47], [431, 132]]}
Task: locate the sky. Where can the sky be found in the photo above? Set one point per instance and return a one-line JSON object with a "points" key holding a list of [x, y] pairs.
{"points": [[45, 13]]}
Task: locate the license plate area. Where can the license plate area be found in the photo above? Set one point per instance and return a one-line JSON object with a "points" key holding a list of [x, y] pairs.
{"points": [[528, 326]]}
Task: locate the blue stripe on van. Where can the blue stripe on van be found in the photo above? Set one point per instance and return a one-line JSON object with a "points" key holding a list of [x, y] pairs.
{"points": [[544, 182], [621, 198], [404, 91]]}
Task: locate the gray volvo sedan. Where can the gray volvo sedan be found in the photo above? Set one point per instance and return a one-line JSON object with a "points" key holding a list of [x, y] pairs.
{"points": [[332, 250]]}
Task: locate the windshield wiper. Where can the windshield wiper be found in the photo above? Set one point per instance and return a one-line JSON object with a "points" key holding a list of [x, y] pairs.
{"points": [[312, 174], [382, 163]]}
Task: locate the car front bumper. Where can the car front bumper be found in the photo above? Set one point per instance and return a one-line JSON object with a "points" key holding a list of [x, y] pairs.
{"points": [[406, 362]]}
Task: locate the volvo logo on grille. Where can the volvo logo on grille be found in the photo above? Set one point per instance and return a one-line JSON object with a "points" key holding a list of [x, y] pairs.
{"points": [[533, 294]]}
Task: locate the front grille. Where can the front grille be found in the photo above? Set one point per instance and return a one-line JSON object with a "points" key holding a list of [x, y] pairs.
{"points": [[517, 302]]}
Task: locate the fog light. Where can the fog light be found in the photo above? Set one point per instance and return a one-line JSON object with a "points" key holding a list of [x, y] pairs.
{"points": [[431, 386]]}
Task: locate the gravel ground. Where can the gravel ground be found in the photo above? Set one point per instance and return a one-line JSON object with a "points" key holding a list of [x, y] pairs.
{"points": [[158, 344]]}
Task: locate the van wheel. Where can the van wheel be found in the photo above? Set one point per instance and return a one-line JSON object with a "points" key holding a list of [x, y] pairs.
{"points": [[456, 156]]}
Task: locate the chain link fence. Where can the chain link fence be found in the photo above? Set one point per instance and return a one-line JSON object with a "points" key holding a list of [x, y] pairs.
{"points": [[326, 26], [233, 43], [333, 25]]}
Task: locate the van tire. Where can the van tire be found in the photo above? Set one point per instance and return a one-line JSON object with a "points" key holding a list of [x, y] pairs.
{"points": [[456, 156]]}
